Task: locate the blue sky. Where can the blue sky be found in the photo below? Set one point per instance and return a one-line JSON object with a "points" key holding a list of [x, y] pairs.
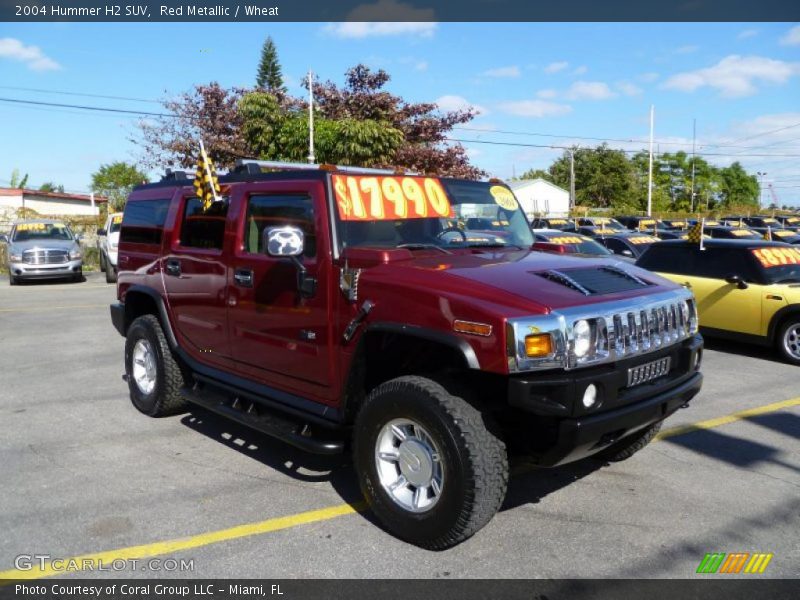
{"points": [[741, 82]]}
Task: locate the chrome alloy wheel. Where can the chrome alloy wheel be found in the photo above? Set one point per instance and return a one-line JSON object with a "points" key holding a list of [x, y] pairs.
{"points": [[791, 341], [144, 366], [409, 465]]}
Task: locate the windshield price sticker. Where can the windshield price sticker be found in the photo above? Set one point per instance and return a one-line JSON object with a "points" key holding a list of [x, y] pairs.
{"points": [[31, 227], [558, 221], [117, 219], [645, 239], [783, 234], [565, 240], [361, 198], [777, 257], [503, 197], [605, 231], [742, 233], [647, 223]]}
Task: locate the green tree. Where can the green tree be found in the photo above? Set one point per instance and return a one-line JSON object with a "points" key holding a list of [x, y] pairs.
{"points": [[737, 186], [274, 132], [604, 177], [16, 181], [49, 186], [269, 77], [537, 174], [115, 181]]}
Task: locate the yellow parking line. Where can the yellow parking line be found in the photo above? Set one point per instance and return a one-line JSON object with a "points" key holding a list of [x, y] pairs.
{"points": [[46, 308], [314, 516], [731, 418]]}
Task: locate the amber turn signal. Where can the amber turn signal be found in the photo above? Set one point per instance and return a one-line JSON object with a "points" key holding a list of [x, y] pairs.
{"points": [[473, 328], [538, 345]]}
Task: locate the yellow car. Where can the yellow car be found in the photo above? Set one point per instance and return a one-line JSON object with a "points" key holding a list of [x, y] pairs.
{"points": [[747, 290]]}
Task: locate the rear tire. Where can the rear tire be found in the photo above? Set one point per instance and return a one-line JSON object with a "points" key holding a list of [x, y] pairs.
{"points": [[627, 447], [788, 340], [102, 261], [154, 377], [111, 274], [11, 279], [442, 476]]}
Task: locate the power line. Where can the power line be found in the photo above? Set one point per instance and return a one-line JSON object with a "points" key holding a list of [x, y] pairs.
{"points": [[85, 95], [744, 139], [84, 107]]}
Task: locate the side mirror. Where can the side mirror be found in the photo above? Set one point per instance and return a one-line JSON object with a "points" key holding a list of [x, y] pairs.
{"points": [[289, 242], [101, 232], [78, 237], [737, 281], [627, 253], [3, 238], [283, 242]]}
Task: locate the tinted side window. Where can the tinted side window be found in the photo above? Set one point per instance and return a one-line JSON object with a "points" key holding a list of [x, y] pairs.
{"points": [[719, 263], [203, 229], [616, 246], [669, 259], [275, 211], [143, 221]]}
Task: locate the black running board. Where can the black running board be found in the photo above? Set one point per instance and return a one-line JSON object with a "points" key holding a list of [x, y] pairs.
{"points": [[250, 414]]}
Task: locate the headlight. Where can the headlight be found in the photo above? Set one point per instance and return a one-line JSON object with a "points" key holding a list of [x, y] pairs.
{"points": [[75, 254], [582, 335], [15, 256]]}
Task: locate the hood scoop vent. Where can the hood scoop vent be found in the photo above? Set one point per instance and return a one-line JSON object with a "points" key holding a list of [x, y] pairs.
{"points": [[596, 281]]}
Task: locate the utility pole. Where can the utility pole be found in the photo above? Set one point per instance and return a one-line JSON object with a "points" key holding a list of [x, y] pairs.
{"points": [[311, 157], [572, 178], [694, 139], [650, 168], [761, 176]]}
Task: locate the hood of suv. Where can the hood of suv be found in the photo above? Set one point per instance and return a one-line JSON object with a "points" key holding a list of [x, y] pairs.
{"points": [[43, 244], [524, 280]]}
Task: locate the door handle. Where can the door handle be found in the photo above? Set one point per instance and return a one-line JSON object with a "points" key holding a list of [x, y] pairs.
{"points": [[243, 277], [174, 268]]}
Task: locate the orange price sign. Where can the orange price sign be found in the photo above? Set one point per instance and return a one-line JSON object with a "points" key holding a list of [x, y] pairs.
{"points": [[368, 198], [567, 239], [776, 256]]}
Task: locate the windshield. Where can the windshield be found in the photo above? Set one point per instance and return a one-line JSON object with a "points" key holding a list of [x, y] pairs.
{"points": [[424, 212], [576, 244], [41, 231], [780, 265], [116, 223]]}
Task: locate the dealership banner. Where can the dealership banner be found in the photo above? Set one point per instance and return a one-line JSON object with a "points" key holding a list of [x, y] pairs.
{"points": [[397, 10], [399, 589]]}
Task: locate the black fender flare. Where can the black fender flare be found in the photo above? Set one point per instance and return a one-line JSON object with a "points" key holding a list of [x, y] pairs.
{"points": [[786, 311], [163, 315], [433, 335]]}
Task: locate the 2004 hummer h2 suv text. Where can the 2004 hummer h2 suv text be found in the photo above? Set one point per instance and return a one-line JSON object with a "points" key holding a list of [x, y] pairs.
{"points": [[338, 307]]}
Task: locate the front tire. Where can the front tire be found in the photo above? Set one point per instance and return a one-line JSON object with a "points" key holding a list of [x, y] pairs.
{"points": [[430, 469], [103, 261], [627, 447], [154, 377], [11, 279], [111, 274], [788, 341]]}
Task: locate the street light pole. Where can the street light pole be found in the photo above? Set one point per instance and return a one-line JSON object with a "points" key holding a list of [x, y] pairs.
{"points": [[650, 166], [761, 176], [571, 179]]}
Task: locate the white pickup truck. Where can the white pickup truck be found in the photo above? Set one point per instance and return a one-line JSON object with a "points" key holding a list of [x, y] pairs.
{"points": [[107, 244]]}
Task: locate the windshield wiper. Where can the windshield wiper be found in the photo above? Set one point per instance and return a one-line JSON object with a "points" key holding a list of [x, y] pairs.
{"points": [[423, 246], [492, 245]]}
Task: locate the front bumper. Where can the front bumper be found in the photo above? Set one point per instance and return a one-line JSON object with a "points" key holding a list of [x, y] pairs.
{"points": [[555, 428], [27, 271]]}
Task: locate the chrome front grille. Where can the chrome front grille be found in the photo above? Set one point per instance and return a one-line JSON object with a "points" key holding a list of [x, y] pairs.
{"points": [[649, 371], [45, 257], [639, 331]]}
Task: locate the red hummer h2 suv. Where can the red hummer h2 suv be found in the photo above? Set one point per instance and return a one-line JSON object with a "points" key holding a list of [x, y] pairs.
{"points": [[337, 307]]}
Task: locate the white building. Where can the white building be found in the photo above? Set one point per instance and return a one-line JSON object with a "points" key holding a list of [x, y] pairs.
{"points": [[541, 198], [51, 203]]}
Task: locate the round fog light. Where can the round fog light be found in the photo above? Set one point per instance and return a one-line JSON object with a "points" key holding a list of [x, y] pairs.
{"points": [[590, 395]]}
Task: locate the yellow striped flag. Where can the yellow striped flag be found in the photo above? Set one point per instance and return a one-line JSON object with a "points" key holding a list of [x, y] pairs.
{"points": [[696, 233], [768, 235], [206, 184]]}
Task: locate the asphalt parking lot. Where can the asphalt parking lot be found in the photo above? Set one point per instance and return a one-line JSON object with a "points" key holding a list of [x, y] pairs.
{"points": [[85, 474]]}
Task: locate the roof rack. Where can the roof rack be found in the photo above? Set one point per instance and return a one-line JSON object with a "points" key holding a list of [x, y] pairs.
{"points": [[177, 175], [258, 166]]}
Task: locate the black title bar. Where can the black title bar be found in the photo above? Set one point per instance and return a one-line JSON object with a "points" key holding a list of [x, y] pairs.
{"points": [[399, 10]]}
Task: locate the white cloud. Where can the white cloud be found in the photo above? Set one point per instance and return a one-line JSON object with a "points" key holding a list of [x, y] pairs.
{"points": [[648, 77], [589, 90], [792, 37], [547, 94], [451, 102], [580, 70], [555, 67], [511, 71], [421, 66], [747, 33], [362, 21], [628, 88], [31, 56], [535, 108], [734, 75], [686, 49]]}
